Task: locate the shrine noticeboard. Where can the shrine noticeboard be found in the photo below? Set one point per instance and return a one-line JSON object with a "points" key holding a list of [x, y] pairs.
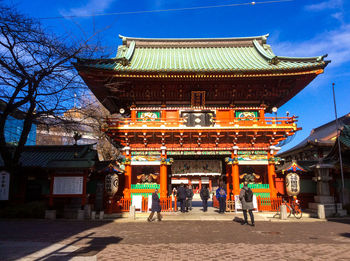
{"points": [[68, 185]]}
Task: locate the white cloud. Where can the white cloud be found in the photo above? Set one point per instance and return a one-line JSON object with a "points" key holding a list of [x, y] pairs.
{"points": [[91, 7], [331, 4], [336, 43], [339, 16]]}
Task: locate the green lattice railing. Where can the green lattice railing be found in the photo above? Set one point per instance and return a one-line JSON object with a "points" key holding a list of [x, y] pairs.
{"points": [[145, 186], [256, 186], [143, 194], [262, 195]]}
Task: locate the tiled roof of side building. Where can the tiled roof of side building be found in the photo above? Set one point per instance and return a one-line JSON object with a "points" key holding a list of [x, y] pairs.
{"points": [[55, 156], [250, 54], [323, 135]]}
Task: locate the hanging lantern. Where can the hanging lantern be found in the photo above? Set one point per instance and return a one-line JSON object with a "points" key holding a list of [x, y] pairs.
{"points": [[111, 184], [293, 184]]}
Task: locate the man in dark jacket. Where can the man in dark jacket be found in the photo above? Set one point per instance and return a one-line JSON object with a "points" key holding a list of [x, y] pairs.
{"points": [[204, 196], [181, 195], [221, 197], [155, 207], [246, 205], [189, 197]]}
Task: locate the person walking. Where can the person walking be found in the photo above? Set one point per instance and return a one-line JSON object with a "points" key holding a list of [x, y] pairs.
{"points": [[181, 195], [204, 196], [155, 207], [189, 197], [221, 196], [246, 198]]}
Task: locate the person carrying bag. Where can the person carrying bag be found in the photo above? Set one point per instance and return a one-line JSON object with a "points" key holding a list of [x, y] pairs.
{"points": [[246, 198]]}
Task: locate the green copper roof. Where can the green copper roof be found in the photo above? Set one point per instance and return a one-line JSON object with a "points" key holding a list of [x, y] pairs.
{"points": [[201, 55]]}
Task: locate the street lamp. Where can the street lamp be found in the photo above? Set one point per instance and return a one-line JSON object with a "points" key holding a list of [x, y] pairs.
{"points": [[339, 149]]}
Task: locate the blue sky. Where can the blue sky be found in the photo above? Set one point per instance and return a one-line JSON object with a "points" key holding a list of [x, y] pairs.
{"points": [[297, 28]]}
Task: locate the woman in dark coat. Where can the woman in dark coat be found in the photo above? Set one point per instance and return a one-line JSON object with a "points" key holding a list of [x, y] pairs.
{"points": [[204, 196], [155, 207], [246, 206]]}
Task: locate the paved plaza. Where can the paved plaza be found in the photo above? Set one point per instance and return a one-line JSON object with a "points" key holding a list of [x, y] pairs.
{"points": [[173, 240]]}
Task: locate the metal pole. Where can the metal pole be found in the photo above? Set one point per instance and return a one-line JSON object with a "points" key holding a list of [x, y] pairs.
{"points": [[339, 149]]}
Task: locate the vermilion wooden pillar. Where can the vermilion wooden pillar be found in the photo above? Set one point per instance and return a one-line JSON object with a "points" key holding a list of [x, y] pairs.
{"points": [[228, 182], [127, 181], [163, 174], [271, 174], [235, 174]]}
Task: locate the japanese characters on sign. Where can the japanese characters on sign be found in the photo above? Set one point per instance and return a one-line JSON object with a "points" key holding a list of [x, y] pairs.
{"points": [[68, 185], [293, 184], [111, 184]]}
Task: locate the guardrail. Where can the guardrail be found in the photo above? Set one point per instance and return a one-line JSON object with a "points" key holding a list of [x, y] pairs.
{"points": [[165, 203], [264, 203], [156, 123]]}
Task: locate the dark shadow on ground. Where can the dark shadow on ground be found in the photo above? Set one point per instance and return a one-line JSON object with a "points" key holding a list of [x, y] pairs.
{"points": [[345, 235], [238, 220], [344, 220], [95, 245], [40, 234]]}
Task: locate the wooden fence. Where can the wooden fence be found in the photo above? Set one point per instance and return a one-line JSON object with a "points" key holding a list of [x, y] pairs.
{"points": [[166, 204], [264, 204]]}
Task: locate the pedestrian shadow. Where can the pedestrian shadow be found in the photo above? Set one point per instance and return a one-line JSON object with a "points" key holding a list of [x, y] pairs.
{"points": [[94, 246], [238, 220], [345, 235]]}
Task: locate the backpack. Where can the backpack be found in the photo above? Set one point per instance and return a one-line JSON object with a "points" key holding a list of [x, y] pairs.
{"points": [[205, 193], [222, 192], [248, 195]]}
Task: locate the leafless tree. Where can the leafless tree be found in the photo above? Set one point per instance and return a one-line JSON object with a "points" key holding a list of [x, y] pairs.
{"points": [[36, 74], [93, 115]]}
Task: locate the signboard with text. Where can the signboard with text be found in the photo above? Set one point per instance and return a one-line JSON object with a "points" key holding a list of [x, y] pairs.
{"points": [[68, 185]]}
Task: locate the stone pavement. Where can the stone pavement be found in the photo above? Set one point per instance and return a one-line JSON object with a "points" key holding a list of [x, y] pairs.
{"points": [[173, 240]]}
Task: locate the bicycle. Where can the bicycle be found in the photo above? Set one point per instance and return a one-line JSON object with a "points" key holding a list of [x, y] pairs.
{"points": [[294, 209]]}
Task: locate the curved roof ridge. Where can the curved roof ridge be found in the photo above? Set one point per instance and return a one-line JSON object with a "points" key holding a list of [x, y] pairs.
{"points": [[261, 37], [317, 58], [276, 58], [262, 51]]}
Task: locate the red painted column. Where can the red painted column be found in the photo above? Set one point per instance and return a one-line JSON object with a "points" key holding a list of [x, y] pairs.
{"points": [[133, 115], [200, 184], [127, 174], [163, 174], [210, 185], [235, 174], [228, 182], [271, 174]]}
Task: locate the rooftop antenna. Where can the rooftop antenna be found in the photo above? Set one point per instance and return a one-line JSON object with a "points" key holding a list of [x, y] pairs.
{"points": [[339, 149]]}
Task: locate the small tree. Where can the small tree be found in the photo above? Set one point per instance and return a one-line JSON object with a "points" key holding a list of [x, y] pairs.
{"points": [[36, 75]]}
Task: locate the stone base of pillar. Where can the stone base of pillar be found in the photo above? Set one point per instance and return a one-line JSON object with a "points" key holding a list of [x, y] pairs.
{"points": [[87, 211], [283, 212], [327, 210], [80, 214], [50, 214], [132, 212], [324, 199]]}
